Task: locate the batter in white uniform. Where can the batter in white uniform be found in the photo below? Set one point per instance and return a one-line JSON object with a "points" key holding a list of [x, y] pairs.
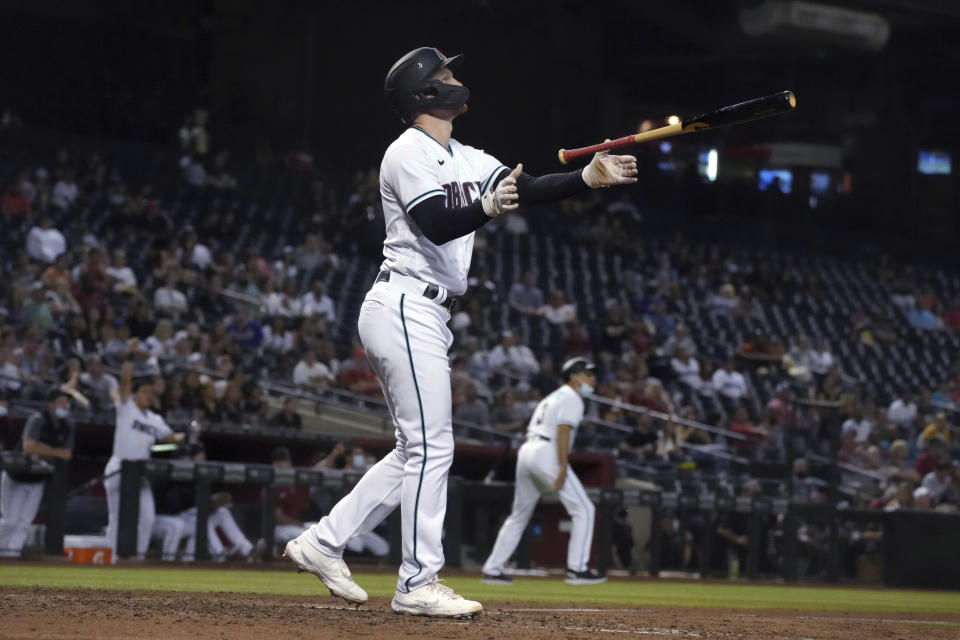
{"points": [[137, 429], [542, 468], [436, 192]]}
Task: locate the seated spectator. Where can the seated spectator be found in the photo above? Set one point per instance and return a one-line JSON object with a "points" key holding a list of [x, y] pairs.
{"points": [[898, 467], [122, 276], [526, 297], [247, 332], [858, 423], [760, 348], [938, 481], [663, 322], [65, 191], [669, 446], [642, 441], [821, 360], [276, 338], [729, 383], [577, 342], [357, 376], [57, 273], [209, 406], [99, 386], [922, 498], [289, 416], [559, 311], [168, 300], [512, 358], [679, 340], [655, 397], [725, 300], [471, 408], [316, 302], [801, 353], [483, 288], [160, 344], [922, 318], [14, 203], [37, 310], [741, 424], [508, 414], [254, 406], [615, 331], [44, 242], [903, 411], [779, 405], [936, 430], [686, 368], [311, 373], [545, 380]]}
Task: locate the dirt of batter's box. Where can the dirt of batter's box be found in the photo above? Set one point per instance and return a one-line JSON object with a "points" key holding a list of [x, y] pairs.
{"points": [[53, 614]]}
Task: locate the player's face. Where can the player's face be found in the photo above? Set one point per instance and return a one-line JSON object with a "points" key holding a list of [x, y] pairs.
{"points": [[446, 76]]}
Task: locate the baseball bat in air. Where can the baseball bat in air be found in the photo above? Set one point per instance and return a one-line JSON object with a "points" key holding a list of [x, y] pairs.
{"points": [[748, 111]]}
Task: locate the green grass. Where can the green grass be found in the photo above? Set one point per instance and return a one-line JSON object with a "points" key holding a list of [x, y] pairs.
{"points": [[524, 592]]}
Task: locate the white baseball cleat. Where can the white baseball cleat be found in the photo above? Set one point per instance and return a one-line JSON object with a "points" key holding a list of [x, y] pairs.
{"points": [[435, 599], [333, 572]]}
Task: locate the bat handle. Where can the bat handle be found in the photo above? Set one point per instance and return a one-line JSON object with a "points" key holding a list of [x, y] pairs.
{"points": [[566, 155]]}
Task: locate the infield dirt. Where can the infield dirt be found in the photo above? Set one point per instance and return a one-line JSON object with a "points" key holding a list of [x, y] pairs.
{"points": [[56, 614]]}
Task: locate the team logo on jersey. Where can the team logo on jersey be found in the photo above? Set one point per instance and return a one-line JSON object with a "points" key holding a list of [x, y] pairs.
{"points": [[461, 194], [143, 427]]}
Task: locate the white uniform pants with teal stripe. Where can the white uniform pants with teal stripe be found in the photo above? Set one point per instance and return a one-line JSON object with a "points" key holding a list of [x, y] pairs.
{"points": [[406, 339], [537, 468]]}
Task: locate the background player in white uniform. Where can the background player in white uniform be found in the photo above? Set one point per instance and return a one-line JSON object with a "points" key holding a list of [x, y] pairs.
{"points": [[436, 192], [137, 429], [50, 435], [542, 468]]}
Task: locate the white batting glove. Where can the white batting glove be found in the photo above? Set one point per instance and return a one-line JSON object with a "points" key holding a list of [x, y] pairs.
{"points": [[606, 170], [504, 197]]}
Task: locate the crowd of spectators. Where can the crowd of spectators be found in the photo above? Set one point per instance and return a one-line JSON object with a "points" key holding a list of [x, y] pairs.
{"points": [[218, 318]]}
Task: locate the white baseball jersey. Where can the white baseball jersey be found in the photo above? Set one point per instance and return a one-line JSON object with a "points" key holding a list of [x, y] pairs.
{"points": [[563, 406], [135, 433], [417, 167]]}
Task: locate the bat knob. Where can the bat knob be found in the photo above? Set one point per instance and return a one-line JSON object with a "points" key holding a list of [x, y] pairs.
{"points": [[560, 155]]}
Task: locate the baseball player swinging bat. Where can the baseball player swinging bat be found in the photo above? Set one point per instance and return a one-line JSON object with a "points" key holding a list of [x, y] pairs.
{"points": [[748, 111]]}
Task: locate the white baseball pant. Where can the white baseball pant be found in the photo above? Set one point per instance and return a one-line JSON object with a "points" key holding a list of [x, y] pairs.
{"points": [[220, 518], [19, 502], [537, 468], [372, 542], [406, 339], [146, 517], [170, 531]]}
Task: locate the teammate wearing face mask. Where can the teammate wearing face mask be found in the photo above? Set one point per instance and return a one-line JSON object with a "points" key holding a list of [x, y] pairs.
{"points": [[50, 435], [541, 468]]}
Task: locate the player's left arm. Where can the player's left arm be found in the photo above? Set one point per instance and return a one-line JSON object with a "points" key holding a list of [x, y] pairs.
{"points": [[563, 448]]}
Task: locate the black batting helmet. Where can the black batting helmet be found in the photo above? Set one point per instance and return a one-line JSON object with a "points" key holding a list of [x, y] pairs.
{"points": [[409, 89], [575, 365]]}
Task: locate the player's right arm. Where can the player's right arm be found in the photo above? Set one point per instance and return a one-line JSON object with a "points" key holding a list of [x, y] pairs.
{"points": [[563, 447], [126, 375]]}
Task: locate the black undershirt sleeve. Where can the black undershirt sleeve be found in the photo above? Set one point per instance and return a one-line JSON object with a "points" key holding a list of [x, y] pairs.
{"points": [[441, 225]]}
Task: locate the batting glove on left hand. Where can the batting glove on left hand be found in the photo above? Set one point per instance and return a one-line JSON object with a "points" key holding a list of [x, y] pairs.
{"points": [[606, 170], [504, 197]]}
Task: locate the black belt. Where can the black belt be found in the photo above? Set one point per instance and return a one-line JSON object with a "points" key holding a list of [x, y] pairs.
{"points": [[431, 292]]}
